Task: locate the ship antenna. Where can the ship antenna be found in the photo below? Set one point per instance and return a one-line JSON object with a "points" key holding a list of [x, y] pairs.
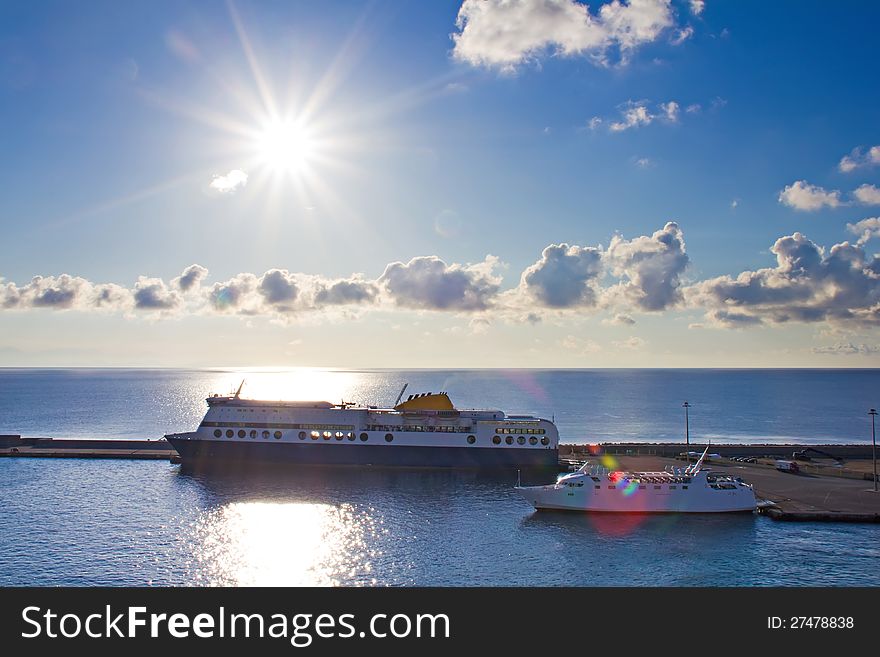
{"points": [[238, 392], [518, 480], [400, 396]]}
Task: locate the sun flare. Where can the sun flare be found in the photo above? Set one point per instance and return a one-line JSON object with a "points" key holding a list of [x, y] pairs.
{"points": [[286, 146]]}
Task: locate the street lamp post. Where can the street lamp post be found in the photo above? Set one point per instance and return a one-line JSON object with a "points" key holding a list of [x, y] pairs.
{"points": [[687, 432], [873, 414]]}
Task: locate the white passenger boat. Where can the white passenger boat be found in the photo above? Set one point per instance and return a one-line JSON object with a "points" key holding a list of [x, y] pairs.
{"points": [[426, 430], [679, 490]]}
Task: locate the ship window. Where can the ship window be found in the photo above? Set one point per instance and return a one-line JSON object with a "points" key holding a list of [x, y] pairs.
{"points": [[316, 435], [612, 487], [253, 433], [684, 487], [508, 440], [673, 488], [230, 433], [389, 437], [265, 434], [545, 440], [277, 435], [242, 433], [339, 435], [533, 440], [496, 440], [521, 440], [350, 435], [302, 435], [656, 487], [471, 440], [595, 478], [217, 433], [364, 437], [642, 487], [597, 487]]}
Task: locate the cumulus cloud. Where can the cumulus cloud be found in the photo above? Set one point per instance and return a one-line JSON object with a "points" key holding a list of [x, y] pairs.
{"points": [[579, 345], [859, 157], [506, 33], [354, 290], [847, 349], [651, 268], [619, 320], [801, 195], [697, 6], [153, 294], [867, 195], [234, 295], [807, 285], [229, 183], [428, 283], [191, 278], [278, 287], [565, 276], [866, 229]]}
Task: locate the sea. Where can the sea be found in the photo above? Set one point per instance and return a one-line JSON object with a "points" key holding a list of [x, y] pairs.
{"points": [[83, 522]]}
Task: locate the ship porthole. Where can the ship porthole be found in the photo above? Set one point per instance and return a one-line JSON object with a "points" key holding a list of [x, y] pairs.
{"points": [[230, 433], [253, 433], [496, 440], [315, 435], [508, 440], [339, 435], [217, 433], [302, 435], [350, 435], [389, 437], [364, 437], [472, 440], [533, 440], [327, 435], [521, 440], [265, 434], [277, 435], [545, 440]]}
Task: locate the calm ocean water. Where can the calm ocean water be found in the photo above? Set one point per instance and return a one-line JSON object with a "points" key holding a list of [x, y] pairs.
{"points": [[92, 522]]}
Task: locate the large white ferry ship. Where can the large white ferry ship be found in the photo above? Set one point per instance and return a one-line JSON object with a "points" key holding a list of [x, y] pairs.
{"points": [[681, 490], [425, 430]]}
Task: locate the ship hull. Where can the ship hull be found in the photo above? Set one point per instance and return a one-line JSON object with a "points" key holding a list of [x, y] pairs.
{"points": [[208, 453]]}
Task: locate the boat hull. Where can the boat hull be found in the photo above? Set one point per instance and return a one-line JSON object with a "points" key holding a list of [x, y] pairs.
{"points": [[615, 501], [207, 453]]}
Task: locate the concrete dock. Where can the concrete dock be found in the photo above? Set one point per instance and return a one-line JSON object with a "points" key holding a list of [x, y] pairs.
{"points": [[16, 446]]}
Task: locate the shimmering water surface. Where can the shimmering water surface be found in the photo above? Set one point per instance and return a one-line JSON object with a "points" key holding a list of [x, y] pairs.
{"points": [[94, 522]]}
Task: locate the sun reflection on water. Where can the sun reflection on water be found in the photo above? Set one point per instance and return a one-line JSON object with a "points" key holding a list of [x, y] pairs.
{"points": [[283, 544]]}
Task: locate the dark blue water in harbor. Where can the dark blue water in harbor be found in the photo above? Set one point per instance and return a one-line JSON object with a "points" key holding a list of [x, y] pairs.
{"points": [[95, 522]]}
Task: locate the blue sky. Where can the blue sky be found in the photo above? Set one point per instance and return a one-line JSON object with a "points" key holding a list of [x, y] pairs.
{"points": [[342, 172]]}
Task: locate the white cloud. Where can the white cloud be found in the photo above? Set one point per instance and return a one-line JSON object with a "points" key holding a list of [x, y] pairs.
{"points": [[651, 268], [633, 115], [807, 285], [191, 278], [860, 157], [630, 343], [682, 35], [506, 33], [697, 6], [580, 346], [847, 349], [801, 195], [229, 183], [670, 109], [565, 276], [867, 194], [693, 108], [619, 320], [866, 229], [429, 283], [637, 113], [153, 294], [643, 163]]}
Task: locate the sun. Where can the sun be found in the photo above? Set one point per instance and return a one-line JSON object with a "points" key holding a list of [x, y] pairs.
{"points": [[285, 146]]}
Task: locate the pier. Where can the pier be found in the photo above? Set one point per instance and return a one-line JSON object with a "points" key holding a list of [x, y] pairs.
{"points": [[835, 488]]}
